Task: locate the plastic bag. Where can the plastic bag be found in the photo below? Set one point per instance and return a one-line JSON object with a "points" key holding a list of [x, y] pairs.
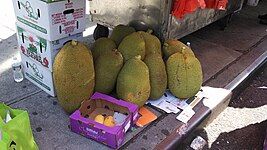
{"points": [[217, 4], [16, 134], [182, 7]]}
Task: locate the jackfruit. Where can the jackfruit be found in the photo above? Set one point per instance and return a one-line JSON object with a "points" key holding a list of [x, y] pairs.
{"points": [[101, 46], [133, 82], [107, 68], [172, 46], [157, 75], [74, 75], [152, 43], [132, 45], [184, 75], [109, 121], [120, 32]]}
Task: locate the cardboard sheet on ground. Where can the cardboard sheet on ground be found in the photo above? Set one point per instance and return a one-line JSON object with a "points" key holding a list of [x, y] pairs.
{"points": [[211, 98]]}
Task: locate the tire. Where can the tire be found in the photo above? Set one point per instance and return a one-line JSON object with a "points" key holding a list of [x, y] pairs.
{"points": [[100, 31], [223, 23]]}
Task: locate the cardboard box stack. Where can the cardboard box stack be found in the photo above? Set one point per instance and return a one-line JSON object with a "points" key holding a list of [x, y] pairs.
{"points": [[43, 27]]}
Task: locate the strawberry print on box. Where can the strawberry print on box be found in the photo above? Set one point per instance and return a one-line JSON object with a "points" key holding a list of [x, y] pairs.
{"points": [[39, 49]]}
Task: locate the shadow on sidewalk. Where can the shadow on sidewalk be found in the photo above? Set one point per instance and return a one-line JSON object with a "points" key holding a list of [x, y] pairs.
{"points": [[249, 137], [255, 95]]}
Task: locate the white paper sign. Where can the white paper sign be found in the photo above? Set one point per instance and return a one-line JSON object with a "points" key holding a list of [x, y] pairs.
{"points": [[186, 114], [168, 103]]}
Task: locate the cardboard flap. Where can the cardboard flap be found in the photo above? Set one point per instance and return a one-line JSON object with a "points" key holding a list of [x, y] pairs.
{"points": [[87, 107], [93, 107]]}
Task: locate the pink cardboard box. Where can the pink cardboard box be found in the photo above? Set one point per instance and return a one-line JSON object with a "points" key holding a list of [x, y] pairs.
{"points": [[82, 120]]}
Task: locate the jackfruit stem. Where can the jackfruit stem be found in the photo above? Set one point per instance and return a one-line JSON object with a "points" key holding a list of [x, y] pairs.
{"points": [[115, 50], [183, 50], [138, 57], [188, 44], [74, 42], [165, 44], [149, 31]]}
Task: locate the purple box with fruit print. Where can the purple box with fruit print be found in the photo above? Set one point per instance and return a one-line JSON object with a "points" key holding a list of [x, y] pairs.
{"points": [[82, 120]]}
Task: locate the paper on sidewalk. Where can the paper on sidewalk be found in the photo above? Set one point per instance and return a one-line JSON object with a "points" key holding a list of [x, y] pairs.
{"points": [[169, 103], [188, 112]]}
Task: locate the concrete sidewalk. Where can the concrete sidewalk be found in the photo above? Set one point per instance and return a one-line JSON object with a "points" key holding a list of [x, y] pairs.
{"points": [[223, 55], [7, 17]]}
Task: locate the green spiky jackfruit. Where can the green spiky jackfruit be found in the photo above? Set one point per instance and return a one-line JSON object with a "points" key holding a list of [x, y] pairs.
{"points": [[157, 75], [133, 82], [132, 45], [107, 67], [172, 46], [120, 32], [184, 75], [74, 75], [101, 46], [152, 43]]}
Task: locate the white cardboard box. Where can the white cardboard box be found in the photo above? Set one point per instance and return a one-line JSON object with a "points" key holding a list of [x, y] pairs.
{"points": [[38, 75], [51, 21], [40, 50]]}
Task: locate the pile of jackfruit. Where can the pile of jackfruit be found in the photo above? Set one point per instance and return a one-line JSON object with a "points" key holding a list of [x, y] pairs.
{"points": [[132, 64]]}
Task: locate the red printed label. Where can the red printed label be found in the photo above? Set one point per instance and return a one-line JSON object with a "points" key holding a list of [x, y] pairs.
{"points": [[69, 29], [72, 22], [60, 18]]}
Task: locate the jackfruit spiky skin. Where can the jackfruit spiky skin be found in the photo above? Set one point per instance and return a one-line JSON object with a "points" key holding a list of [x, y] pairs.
{"points": [[157, 75], [184, 75], [107, 68], [74, 75], [120, 32], [132, 45], [133, 82], [152, 43], [101, 46], [172, 46]]}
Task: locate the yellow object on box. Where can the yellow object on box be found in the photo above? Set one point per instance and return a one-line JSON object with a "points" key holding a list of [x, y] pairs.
{"points": [[109, 121], [99, 119]]}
